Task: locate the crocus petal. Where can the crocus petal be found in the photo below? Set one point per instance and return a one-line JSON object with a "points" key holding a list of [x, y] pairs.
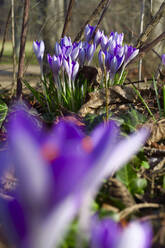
{"points": [[108, 162], [104, 233], [101, 57], [82, 56], [90, 52], [51, 233], [127, 147], [136, 235], [22, 131], [75, 69], [89, 30], [57, 49], [130, 53]]}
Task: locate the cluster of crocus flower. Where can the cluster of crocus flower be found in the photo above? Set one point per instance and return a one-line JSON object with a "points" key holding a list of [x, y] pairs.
{"points": [[114, 56], [68, 56], [58, 172]]}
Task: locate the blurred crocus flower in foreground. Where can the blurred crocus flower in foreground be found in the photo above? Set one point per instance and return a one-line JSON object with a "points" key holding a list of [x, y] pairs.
{"points": [[39, 48], [108, 234], [48, 166]]}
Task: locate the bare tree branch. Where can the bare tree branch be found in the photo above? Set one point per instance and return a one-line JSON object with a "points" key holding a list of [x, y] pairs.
{"points": [[102, 16], [5, 32], [22, 48], [68, 17], [13, 45], [152, 44], [155, 20], [92, 18]]}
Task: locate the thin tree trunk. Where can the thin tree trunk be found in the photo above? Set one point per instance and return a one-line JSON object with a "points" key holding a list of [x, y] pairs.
{"points": [[92, 18], [68, 17], [102, 16], [5, 32], [13, 45], [22, 48]]}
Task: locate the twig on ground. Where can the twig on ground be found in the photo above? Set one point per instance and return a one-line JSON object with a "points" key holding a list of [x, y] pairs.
{"points": [[126, 212]]}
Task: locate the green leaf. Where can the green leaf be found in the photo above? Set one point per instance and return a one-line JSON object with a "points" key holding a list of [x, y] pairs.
{"points": [[3, 111], [126, 175], [145, 164], [138, 185], [164, 182]]}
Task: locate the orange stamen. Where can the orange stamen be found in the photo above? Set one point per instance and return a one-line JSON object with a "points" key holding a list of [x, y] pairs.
{"points": [[87, 144], [49, 152]]}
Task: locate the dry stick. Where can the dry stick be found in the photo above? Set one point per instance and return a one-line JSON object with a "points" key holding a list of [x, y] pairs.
{"points": [[124, 213], [101, 17], [155, 20], [148, 47], [68, 17], [141, 31], [92, 18], [5, 32], [13, 45], [22, 48]]}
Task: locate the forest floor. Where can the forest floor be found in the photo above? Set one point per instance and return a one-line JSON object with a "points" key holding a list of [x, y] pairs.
{"points": [[31, 73]]}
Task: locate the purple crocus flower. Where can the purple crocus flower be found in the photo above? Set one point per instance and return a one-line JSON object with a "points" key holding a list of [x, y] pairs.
{"points": [[104, 42], [108, 234], [113, 63], [89, 31], [101, 57], [48, 166], [66, 41], [75, 52], [90, 52], [58, 50], [117, 37], [39, 210], [81, 56], [130, 53], [55, 63], [39, 48], [71, 68], [163, 59], [98, 37]]}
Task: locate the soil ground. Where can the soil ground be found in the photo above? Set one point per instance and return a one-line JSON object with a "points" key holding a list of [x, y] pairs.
{"points": [[31, 73]]}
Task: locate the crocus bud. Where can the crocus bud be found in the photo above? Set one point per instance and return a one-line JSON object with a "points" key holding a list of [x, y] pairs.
{"points": [[81, 56], [104, 42], [57, 49], [75, 68], [101, 57], [66, 41], [89, 30], [39, 48], [97, 38], [130, 53], [90, 52]]}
